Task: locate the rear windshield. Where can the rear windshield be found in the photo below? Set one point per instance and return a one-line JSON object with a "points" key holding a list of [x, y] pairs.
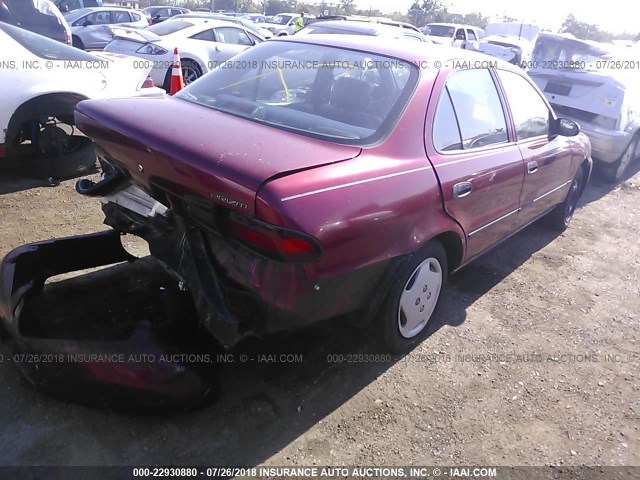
{"points": [[439, 30], [166, 28], [565, 53], [44, 47], [341, 95]]}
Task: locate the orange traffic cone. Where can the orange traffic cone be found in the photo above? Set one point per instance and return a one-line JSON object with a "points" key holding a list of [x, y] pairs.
{"points": [[177, 82]]}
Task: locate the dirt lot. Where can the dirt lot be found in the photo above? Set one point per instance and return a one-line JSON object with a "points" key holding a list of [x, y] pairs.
{"points": [[533, 360]]}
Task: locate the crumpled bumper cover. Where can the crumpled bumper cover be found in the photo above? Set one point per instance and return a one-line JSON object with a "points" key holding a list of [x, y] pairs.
{"points": [[93, 371]]}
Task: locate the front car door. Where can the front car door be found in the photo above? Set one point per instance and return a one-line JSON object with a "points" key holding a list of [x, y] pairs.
{"points": [[459, 39], [479, 168], [547, 157], [94, 26], [472, 42]]}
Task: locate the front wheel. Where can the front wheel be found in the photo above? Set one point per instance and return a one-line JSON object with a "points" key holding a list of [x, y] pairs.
{"points": [[560, 217], [413, 299]]}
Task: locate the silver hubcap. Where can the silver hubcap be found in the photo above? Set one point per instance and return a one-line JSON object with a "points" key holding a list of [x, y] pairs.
{"points": [[189, 74], [419, 298]]}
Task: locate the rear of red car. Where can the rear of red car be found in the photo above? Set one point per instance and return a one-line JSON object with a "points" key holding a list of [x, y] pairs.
{"points": [[190, 174]]}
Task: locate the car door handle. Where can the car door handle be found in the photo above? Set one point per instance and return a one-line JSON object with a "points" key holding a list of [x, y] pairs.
{"points": [[532, 167], [462, 189]]}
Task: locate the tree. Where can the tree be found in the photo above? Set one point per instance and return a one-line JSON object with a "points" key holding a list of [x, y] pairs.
{"points": [[348, 6], [475, 19], [585, 31], [434, 11]]}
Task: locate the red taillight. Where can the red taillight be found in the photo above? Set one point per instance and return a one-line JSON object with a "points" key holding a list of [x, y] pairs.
{"points": [[274, 242], [148, 83]]}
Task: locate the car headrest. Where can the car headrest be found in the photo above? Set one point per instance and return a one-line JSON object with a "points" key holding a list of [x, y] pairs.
{"points": [[350, 93]]}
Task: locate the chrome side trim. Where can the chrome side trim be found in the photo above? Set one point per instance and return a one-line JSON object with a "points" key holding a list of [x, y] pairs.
{"points": [[351, 184], [551, 191], [494, 221]]}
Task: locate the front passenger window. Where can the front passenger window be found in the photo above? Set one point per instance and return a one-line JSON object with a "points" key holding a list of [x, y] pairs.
{"points": [[530, 113], [478, 108]]}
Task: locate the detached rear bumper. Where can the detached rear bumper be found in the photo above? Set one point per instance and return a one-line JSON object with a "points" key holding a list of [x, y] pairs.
{"points": [[94, 371]]}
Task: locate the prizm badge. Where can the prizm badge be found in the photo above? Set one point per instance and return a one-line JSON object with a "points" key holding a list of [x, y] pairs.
{"points": [[229, 201]]}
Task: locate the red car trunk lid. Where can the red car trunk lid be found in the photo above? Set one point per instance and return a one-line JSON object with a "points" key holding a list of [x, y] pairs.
{"points": [[190, 149]]}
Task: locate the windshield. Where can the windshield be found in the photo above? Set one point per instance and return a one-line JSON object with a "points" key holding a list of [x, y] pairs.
{"points": [[46, 48], [439, 30], [567, 53], [166, 28], [281, 19], [340, 95]]}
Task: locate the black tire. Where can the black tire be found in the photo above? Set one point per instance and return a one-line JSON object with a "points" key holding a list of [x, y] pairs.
{"points": [[79, 160], [560, 217], [615, 172], [186, 64], [190, 66], [77, 42], [389, 323]]}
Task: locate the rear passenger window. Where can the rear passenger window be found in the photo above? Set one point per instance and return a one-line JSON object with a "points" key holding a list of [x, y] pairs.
{"points": [[120, 17], [478, 108], [446, 134], [470, 35], [530, 113]]}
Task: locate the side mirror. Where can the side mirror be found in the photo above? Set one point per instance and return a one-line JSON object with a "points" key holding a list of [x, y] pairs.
{"points": [[567, 128], [86, 24]]}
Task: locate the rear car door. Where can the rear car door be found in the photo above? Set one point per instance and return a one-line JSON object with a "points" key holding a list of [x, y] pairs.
{"points": [[480, 170], [94, 27], [547, 157]]}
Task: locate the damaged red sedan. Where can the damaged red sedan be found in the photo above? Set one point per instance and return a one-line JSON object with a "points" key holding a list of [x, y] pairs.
{"points": [[324, 176]]}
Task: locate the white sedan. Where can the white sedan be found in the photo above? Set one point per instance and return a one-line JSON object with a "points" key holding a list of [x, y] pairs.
{"points": [[41, 81], [202, 44]]}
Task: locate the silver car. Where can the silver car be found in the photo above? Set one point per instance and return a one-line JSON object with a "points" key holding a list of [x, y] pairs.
{"points": [[596, 86], [91, 27]]}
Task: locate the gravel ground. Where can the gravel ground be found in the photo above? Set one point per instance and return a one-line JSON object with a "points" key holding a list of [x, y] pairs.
{"points": [[533, 360]]}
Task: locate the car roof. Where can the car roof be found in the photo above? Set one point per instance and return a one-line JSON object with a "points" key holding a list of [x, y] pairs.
{"points": [[370, 28], [420, 53], [453, 25]]}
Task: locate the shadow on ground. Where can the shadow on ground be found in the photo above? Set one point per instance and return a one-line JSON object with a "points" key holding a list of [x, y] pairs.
{"points": [[272, 390]]}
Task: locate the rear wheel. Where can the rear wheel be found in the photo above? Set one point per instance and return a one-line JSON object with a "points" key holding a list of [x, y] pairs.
{"points": [[77, 42], [190, 71], [413, 299], [560, 217], [615, 172]]}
